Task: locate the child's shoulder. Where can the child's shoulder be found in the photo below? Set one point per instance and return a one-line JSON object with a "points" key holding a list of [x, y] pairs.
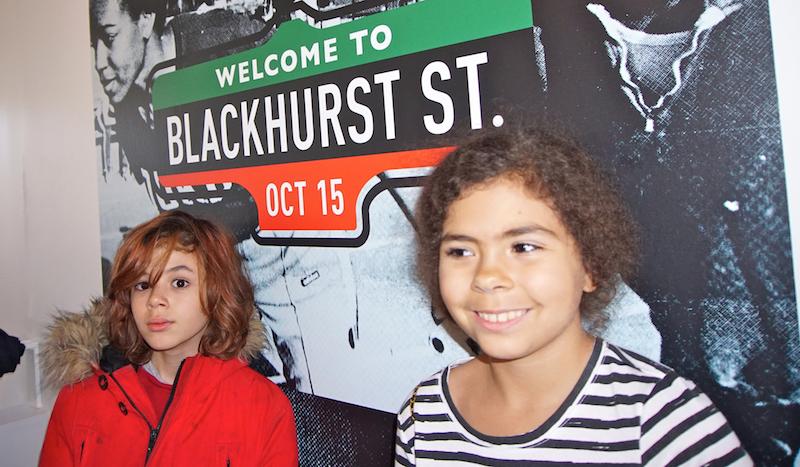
{"points": [[243, 383], [431, 383], [633, 363], [439, 378], [655, 382], [432, 386], [678, 423]]}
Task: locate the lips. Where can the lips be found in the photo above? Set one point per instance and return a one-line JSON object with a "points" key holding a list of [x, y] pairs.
{"points": [[107, 78], [156, 325], [108, 85], [496, 320]]}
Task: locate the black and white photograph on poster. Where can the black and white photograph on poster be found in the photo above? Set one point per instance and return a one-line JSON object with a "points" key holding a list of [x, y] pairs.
{"points": [[676, 98]]}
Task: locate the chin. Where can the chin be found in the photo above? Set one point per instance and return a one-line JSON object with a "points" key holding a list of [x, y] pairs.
{"points": [[505, 353], [116, 98], [159, 345]]}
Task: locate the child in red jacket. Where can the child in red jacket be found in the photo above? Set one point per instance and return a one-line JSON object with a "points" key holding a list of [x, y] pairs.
{"points": [[173, 386]]}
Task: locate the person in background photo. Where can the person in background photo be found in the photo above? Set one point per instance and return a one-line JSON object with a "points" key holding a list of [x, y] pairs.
{"points": [[523, 242], [157, 371], [130, 40], [693, 139]]}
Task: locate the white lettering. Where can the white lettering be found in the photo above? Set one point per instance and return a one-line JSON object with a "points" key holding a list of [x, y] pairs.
{"points": [[300, 186], [228, 111], [187, 137], [330, 50], [380, 37], [210, 143], [330, 114], [302, 144], [273, 206], [271, 58], [250, 130], [360, 109], [309, 55], [471, 62], [225, 75], [174, 139], [287, 210], [358, 38], [274, 123], [289, 61], [439, 97], [386, 79], [244, 72], [257, 75]]}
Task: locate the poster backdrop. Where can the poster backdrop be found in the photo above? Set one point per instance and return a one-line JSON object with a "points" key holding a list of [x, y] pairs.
{"points": [[307, 127]]}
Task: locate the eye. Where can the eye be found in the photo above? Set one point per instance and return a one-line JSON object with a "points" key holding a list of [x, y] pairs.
{"points": [[107, 38], [141, 286], [523, 247], [457, 252], [180, 283]]}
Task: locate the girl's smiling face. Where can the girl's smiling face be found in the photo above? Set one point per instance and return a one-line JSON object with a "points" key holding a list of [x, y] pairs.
{"points": [[510, 273]]}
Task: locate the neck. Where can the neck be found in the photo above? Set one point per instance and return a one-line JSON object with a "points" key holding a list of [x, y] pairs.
{"points": [[167, 364], [549, 373]]}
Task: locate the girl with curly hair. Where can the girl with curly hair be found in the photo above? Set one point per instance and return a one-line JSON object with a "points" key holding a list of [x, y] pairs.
{"points": [[156, 373], [523, 242]]}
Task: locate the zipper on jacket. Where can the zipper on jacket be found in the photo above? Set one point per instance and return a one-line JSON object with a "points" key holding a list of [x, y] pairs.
{"points": [[130, 401], [153, 431]]}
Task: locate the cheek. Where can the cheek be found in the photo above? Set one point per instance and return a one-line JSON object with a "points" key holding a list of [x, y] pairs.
{"points": [[194, 308], [559, 284], [454, 283], [138, 308], [197, 319], [126, 52]]}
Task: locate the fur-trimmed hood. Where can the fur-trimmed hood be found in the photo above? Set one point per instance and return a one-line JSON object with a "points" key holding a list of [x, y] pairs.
{"points": [[75, 344]]}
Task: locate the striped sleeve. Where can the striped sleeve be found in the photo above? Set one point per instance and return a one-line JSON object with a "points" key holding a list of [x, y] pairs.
{"points": [[404, 439], [681, 426]]}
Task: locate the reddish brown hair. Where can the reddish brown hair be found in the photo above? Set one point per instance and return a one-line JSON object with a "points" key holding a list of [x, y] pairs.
{"points": [[554, 168], [226, 293]]}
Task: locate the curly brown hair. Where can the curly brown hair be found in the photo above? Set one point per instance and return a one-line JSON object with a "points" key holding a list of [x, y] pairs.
{"points": [[226, 294], [554, 168]]}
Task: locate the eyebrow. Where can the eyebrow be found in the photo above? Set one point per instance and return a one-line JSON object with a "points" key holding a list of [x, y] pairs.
{"points": [[527, 229], [179, 267], [510, 233]]}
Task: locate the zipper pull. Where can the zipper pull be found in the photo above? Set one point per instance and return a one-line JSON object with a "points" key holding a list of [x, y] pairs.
{"points": [[152, 441]]}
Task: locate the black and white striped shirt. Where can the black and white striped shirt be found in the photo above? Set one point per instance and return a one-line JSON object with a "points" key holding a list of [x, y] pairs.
{"points": [[624, 410]]}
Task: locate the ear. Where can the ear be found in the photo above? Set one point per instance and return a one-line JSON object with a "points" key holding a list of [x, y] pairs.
{"points": [[146, 23], [588, 283]]}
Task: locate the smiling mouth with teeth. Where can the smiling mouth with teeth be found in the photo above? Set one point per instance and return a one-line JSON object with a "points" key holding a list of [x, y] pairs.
{"points": [[501, 317]]}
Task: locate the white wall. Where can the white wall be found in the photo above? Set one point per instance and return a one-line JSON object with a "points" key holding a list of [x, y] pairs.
{"points": [[49, 232]]}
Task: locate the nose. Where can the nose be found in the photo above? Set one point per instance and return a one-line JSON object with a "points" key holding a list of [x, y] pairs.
{"points": [[156, 298], [491, 275], [100, 55]]}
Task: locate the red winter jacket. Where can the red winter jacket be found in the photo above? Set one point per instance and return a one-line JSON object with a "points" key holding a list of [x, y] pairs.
{"points": [[220, 412]]}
